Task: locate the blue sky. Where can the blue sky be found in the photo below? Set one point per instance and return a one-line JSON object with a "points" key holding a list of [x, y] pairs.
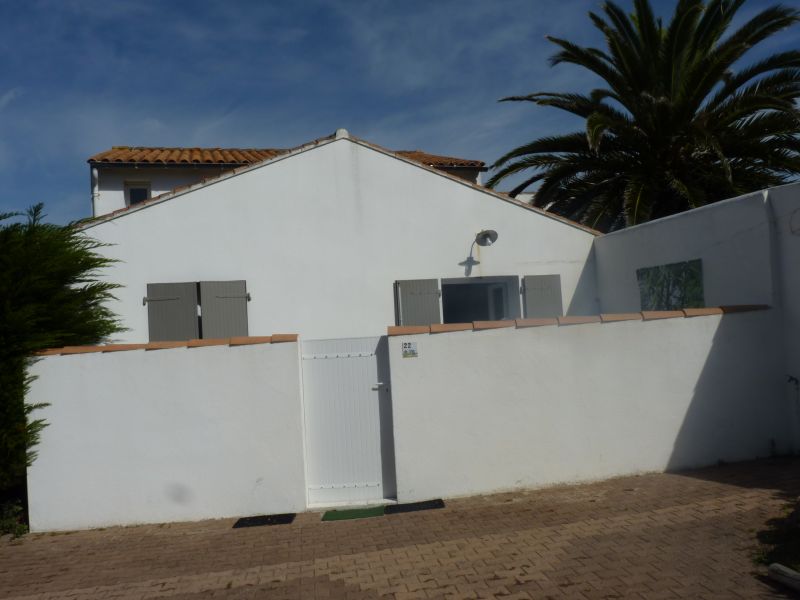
{"points": [[81, 76]]}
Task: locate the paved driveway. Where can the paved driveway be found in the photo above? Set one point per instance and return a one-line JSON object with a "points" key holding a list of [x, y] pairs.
{"points": [[654, 536]]}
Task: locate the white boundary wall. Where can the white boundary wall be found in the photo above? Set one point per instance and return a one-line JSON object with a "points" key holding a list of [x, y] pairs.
{"points": [[784, 204], [732, 238], [167, 435], [484, 411]]}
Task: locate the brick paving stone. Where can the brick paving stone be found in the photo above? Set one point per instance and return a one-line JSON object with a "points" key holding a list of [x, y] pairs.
{"points": [[689, 535]]}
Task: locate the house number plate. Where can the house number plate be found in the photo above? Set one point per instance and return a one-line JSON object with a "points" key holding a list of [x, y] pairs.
{"points": [[410, 350]]}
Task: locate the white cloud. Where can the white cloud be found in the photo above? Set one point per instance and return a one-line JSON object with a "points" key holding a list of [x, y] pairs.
{"points": [[9, 97]]}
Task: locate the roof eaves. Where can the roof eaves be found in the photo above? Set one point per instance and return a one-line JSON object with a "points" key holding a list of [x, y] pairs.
{"points": [[482, 169], [161, 163]]}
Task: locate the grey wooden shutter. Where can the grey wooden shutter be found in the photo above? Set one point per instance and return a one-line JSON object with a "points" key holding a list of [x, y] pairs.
{"points": [[542, 296], [417, 302], [172, 311], [223, 306]]}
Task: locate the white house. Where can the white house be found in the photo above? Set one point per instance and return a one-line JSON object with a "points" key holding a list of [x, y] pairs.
{"points": [[339, 238], [336, 238]]}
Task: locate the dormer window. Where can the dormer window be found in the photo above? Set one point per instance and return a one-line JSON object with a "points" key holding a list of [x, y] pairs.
{"points": [[136, 192]]}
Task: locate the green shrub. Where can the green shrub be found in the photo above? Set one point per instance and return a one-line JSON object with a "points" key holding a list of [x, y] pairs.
{"points": [[49, 297], [11, 519], [781, 539]]}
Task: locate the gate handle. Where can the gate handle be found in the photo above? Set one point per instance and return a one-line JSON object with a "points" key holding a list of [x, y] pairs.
{"points": [[377, 386]]}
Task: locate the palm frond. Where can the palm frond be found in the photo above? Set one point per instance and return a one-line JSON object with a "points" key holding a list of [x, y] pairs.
{"points": [[678, 123]]}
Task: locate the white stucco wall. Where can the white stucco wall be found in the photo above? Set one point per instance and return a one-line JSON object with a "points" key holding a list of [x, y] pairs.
{"points": [[784, 206], [167, 435], [731, 237], [111, 183], [321, 236], [750, 247], [490, 410]]}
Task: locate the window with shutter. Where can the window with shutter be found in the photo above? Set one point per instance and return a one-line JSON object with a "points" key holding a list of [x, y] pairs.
{"points": [[491, 298], [417, 302], [223, 308], [192, 310], [172, 311], [542, 296]]}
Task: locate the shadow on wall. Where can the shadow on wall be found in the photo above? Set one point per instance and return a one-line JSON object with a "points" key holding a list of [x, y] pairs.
{"points": [[585, 301], [742, 407], [384, 377]]}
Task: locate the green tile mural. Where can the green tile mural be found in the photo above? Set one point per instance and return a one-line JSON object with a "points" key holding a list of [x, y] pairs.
{"points": [[672, 287]]}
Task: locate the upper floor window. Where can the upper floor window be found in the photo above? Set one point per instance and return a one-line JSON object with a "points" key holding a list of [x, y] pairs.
{"points": [[136, 192]]}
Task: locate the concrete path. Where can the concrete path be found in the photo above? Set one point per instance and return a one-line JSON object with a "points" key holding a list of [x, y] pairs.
{"points": [[691, 535]]}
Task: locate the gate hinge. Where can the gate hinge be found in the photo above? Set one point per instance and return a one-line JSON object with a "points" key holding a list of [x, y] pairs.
{"points": [[246, 296], [147, 299]]}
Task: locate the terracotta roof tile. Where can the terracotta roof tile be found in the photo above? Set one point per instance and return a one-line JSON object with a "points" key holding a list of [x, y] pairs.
{"points": [[449, 327], [283, 337], [242, 156], [407, 329], [435, 160], [702, 312], [177, 156], [654, 315], [208, 342], [578, 319], [536, 322], [234, 341], [615, 317], [480, 325], [573, 320]]}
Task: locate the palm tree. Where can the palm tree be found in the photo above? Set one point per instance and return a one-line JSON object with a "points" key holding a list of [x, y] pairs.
{"points": [[676, 127]]}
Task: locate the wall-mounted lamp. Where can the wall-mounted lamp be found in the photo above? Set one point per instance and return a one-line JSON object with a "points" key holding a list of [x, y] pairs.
{"points": [[485, 237]]}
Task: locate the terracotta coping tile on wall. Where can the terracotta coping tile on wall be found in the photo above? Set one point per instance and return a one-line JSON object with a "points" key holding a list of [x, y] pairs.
{"points": [[578, 320], [80, 349], [407, 329], [654, 315], [538, 322], [122, 347], [702, 312], [249, 340], [446, 327], [480, 325], [743, 308], [208, 342], [164, 345], [615, 317], [277, 338], [49, 352]]}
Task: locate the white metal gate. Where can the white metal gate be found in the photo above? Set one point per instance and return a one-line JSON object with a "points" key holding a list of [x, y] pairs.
{"points": [[348, 420]]}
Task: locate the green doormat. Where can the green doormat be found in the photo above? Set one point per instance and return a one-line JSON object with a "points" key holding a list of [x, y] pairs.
{"points": [[353, 513], [377, 511], [394, 509]]}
